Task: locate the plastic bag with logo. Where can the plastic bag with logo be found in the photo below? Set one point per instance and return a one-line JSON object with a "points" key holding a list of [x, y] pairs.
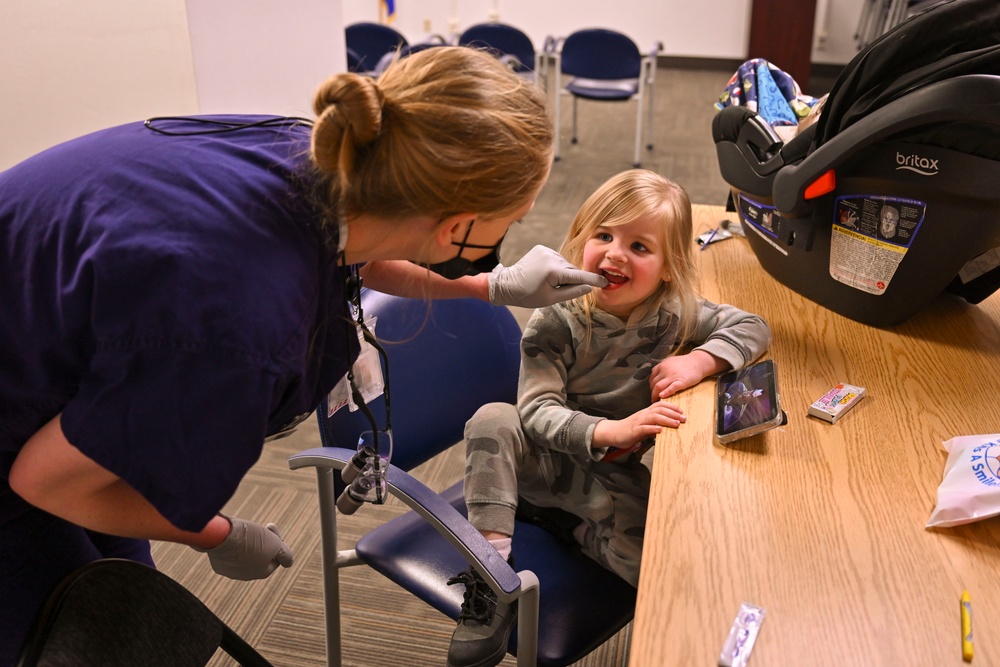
{"points": [[970, 490]]}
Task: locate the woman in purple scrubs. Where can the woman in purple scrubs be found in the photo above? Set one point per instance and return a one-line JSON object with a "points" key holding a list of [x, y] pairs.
{"points": [[173, 293]]}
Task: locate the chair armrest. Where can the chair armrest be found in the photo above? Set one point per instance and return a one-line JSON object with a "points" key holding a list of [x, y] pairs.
{"points": [[475, 548]]}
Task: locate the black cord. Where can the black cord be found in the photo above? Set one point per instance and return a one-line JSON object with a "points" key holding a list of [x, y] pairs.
{"points": [[220, 126], [353, 285], [370, 337]]}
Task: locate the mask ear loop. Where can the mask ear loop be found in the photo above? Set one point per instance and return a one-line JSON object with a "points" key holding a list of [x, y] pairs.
{"points": [[463, 245], [459, 266], [492, 258]]}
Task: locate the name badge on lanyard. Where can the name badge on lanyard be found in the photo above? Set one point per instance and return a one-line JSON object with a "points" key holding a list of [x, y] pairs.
{"points": [[367, 376]]}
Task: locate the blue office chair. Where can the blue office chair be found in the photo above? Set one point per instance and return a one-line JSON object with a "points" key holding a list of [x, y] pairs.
{"points": [[119, 613], [369, 42], [454, 357], [409, 49], [353, 60], [605, 66], [509, 44]]}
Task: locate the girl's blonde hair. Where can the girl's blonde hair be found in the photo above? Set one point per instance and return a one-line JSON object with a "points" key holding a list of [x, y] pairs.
{"points": [[442, 131], [625, 198]]}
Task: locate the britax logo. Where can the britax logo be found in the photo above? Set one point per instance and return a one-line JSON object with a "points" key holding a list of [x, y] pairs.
{"points": [[921, 165]]}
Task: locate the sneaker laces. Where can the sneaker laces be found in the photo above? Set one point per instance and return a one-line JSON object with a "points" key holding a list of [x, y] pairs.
{"points": [[479, 601]]}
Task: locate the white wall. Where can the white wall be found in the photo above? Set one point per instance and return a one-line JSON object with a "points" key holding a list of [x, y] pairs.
{"points": [[74, 67], [836, 23], [69, 68], [699, 29]]}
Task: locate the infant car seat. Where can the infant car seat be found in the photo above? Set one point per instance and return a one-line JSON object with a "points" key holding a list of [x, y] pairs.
{"points": [[893, 196]]}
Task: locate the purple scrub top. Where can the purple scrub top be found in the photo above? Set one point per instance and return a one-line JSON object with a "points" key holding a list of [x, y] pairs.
{"points": [[174, 298]]}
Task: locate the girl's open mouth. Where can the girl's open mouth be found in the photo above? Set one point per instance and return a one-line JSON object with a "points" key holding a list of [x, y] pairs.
{"points": [[614, 278]]}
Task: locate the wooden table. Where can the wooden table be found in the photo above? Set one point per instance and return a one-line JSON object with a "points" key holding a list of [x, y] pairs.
{"points": [[823, 525]]}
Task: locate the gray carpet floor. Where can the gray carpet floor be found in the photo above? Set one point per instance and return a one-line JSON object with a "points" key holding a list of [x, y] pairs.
{"points": [[283, 615]]}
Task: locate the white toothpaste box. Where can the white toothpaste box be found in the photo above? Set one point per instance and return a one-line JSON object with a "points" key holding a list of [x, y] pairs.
{"points": [[836, 402]]}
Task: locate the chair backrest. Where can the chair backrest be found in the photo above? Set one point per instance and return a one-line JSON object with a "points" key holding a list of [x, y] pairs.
{"points": [[467, 350], [597, 53], [391, 56], [353, 61], [503, 40], [452, 357], [371, 41], [118, 613]]}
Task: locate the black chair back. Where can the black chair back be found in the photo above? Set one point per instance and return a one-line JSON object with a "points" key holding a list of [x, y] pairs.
{"points": [[119, 613]]}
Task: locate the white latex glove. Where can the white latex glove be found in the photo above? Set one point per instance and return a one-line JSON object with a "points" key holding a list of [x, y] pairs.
{"points": [[541, 278], [251, 551]]}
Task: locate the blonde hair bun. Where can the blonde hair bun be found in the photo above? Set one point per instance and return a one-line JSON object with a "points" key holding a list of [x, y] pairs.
{"points": [[448, 129], [348, 111]]}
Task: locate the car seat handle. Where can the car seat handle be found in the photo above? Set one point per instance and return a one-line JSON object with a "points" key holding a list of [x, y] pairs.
{"points": [[970, 98]]}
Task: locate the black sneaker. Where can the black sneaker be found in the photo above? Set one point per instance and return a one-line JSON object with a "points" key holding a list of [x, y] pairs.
{"points": [[556, 520], [484, 624]]}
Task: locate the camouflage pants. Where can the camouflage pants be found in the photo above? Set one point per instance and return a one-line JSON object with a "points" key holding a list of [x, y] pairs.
{"points": [[611, 498]]}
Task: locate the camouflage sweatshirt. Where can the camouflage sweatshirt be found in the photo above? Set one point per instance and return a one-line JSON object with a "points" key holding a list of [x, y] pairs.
{"points": [[571, 378]]}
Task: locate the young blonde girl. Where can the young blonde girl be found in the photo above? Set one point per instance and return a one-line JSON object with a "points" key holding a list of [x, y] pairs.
{"points": [[593, 373]]}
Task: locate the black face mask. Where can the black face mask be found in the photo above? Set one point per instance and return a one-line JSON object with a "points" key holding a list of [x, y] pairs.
{"points": [[459, 266]]}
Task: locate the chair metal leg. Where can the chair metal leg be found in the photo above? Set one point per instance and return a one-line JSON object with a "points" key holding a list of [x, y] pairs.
{"points": [[331, 570], [643, 92], [637, 161], [558, 93], [527, 620], [573, 138], [649, 117], [541, 70]]}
